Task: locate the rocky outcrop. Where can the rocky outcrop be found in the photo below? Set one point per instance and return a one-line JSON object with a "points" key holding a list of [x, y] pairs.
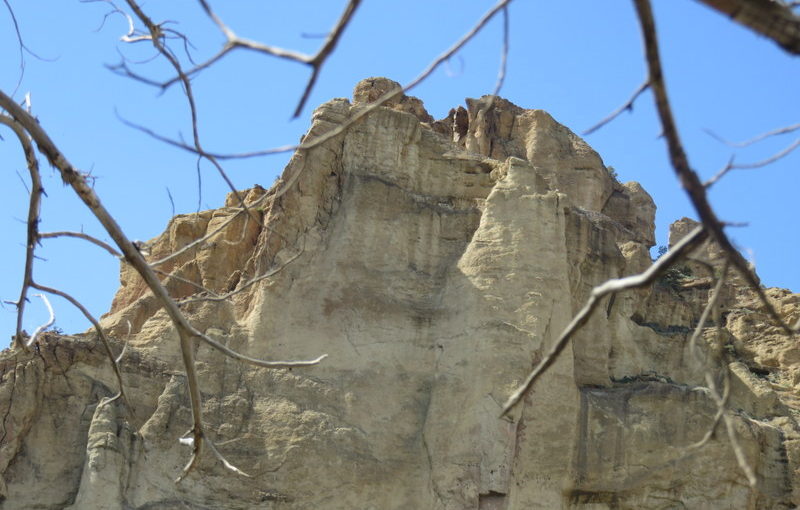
{"points": [[434, 262]]}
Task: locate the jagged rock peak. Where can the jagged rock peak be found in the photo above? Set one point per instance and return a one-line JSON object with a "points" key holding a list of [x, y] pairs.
{"points": [[371, 89], [496, 128]]}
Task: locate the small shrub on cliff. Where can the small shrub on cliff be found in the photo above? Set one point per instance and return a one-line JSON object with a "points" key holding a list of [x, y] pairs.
{"points": [[674, 277]]}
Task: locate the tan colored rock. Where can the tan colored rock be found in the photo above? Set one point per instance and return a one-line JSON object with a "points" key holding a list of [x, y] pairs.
{"points": [[633, 207], [498, 129], [372, 89], [435, 262]]}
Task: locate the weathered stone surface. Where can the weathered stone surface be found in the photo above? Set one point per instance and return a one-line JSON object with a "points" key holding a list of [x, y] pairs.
{"points": [[435, 262]]}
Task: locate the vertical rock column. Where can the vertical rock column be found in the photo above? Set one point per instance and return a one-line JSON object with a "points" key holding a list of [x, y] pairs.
{"points": [[509, 296]]}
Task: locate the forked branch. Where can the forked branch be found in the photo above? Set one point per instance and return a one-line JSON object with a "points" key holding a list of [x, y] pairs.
{"points": [[156, 36], [315, 62], [501, 5]]}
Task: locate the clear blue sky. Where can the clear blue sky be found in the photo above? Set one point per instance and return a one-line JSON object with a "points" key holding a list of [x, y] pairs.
{"points": [[578, 60]]}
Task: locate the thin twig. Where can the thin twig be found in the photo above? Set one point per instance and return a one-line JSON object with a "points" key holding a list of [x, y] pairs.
{"points": [[114, 10], [242, 287], [217, 155], [173, 276], [628, 106], [118, 359], [224, 461], [21, 179], [255, 361], [720, 174], [443, 57], [324, 52], [501, 73], [612, 286], [775, 132], [20, 47], [767, 161], [80, 235], [751, 166], [171, 202]]}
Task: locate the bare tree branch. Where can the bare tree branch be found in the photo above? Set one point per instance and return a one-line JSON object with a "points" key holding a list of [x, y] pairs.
{"points": [[173, 276], [501, 74], [443, 57], [687, 244], [114, 10], [758, 164], [316, 62], [118, 359], [249, 283], [216, 155], [20, 45], [323, 53], [258, 362], [34, 206], [628, 106], [80, 235], [774, 20], [156, 32], [680, 163], [751, 166], [224, 461], [234, 41], [775, 157], [775, 132]]}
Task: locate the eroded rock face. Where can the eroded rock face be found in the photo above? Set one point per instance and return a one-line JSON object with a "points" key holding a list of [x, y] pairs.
{"points": [[434, 262]]}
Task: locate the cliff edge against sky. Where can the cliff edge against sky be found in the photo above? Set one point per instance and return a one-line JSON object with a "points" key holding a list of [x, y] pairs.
{"points": [[434, 262]]}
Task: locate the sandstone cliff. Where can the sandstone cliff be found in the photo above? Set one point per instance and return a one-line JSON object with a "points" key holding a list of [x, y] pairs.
{"points": [[434, 261]]}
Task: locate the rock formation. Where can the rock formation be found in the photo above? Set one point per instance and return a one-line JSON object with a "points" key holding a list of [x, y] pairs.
{"points": [[434, 262]]}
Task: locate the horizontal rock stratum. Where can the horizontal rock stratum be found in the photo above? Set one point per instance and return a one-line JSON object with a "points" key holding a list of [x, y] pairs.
{"points": [[434, 262]]}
